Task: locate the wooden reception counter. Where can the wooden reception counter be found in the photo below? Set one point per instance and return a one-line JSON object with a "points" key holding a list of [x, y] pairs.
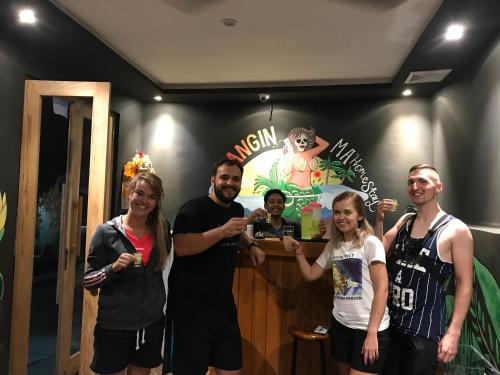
{"points": [[272, 297]]}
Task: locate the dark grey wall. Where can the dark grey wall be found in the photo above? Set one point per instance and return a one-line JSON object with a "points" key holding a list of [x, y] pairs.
{"points": [[184, 140], [466, 118], [129, 137], [11, 104]]}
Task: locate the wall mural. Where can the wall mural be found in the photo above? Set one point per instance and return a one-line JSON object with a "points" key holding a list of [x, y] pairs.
{"points": [[294, 166], [3, 219], [479, 347]]}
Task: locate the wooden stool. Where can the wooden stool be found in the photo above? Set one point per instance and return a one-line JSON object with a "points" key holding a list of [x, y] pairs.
{"points": [[305, 331]]}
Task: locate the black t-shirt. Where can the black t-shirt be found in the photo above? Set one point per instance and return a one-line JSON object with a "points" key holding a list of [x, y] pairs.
{"points": [[200, 286]]}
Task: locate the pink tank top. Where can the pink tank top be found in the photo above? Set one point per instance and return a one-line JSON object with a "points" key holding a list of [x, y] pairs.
{"points": [[142, 245]]}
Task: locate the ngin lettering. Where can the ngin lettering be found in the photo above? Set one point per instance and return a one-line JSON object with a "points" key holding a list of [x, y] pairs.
{"points": [[253, 143]]}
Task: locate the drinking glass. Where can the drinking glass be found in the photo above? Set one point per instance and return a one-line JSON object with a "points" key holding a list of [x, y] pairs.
{"points": [[394, 205], [137, 259], [288, 232]]}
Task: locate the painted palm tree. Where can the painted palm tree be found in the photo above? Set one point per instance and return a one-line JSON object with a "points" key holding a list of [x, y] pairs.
{"points": [[338, 168], [343, 172], [327, 165]]}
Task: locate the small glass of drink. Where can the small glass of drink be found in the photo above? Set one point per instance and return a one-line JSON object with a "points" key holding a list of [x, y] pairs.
{"points": [[288, 232], [394, 205], [249, 230], [137, 259], [268, 217]]}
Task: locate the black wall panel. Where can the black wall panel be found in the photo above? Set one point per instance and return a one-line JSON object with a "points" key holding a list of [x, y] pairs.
{"points": [[11, 107], [466, 118]]}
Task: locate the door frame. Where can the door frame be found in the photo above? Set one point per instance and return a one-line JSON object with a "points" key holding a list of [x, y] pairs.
{"points": [[26, 220]]}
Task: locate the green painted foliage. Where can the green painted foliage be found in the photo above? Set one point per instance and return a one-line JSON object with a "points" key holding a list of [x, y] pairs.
{"points": [[479, 337]]}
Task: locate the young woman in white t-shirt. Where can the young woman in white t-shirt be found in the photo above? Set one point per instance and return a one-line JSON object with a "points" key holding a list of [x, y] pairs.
{"points": [[360, 319]]}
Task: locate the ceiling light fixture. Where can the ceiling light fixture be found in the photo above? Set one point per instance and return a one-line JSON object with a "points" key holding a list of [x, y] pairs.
{"points": [[229, 22], [454, 32], [27, 16], [157, 98], [407, 92]]}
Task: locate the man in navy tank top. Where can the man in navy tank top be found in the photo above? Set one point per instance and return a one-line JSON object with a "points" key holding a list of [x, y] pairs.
{"points": [[424, 250]]}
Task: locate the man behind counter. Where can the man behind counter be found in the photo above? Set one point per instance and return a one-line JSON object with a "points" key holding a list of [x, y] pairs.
{"points": [[269, 221]]}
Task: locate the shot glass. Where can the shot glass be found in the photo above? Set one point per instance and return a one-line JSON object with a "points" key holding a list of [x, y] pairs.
{"points": [[288, 232], [268, 217], [137, 259], [249, 230], [394, 205]]}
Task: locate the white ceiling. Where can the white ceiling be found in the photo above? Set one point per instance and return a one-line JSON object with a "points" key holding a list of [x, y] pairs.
{"points": [[183, 43]]}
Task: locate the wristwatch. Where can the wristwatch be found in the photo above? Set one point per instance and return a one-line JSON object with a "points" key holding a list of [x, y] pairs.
{"points": [[252, 244]]}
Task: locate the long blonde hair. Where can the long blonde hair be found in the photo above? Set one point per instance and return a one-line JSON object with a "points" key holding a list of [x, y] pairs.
{"points": [[155, 220], [364, 228]]}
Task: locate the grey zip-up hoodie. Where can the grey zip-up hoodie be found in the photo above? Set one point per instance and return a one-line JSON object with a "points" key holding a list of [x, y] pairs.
{"points": [[132, 298]]}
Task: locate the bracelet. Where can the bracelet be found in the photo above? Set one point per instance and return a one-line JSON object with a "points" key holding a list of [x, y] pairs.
{"points": [[299, 253]]}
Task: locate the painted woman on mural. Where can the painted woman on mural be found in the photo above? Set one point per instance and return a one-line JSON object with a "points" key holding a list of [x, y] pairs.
{"points": [[302, 146]]}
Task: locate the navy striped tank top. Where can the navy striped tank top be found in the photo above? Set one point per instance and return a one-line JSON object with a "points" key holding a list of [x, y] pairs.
{"points": [[416, 282]]}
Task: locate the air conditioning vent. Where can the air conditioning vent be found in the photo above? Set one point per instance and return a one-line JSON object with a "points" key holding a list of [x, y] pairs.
{"points": [[425, 76]]}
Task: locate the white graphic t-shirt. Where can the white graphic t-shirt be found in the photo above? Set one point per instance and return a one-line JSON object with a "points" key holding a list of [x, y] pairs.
{"points": [[353, 297]]}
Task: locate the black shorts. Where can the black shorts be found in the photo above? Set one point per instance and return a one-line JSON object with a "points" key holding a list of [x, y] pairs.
{"points": [[115, 349], [347, 343], [410, 355], [191, 347]]}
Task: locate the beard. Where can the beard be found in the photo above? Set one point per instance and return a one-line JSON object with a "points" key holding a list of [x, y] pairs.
{"points": [[219, 193]]}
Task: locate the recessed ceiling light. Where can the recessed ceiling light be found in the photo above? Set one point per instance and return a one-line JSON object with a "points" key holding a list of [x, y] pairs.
{"points": [[27, 16], [229, 22], [454, 32], [157, 98], [406, 92], [263, 97]]}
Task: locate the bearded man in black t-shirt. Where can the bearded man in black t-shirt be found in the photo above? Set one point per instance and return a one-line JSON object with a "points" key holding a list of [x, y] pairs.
{"points": [[203, 327]]}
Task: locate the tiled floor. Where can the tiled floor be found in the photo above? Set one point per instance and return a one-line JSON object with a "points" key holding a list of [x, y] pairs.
{"points": [[43, 325]]}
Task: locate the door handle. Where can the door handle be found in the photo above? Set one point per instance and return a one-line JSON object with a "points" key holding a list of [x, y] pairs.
{"points": [[66, 257]]}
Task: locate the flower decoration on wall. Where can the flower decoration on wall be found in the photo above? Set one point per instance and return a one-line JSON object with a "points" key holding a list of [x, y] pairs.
{"points": [[3, 213], [139, 163]]}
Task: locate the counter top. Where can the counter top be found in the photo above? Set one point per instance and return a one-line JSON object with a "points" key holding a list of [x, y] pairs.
{"points": [[274, 247]]}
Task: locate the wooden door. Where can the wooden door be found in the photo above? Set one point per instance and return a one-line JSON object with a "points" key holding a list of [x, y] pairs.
{"points": [[68, 362], [26, 221]]}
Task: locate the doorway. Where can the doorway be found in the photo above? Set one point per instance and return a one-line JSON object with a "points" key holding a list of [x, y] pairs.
{"points": [[95, 126]]}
